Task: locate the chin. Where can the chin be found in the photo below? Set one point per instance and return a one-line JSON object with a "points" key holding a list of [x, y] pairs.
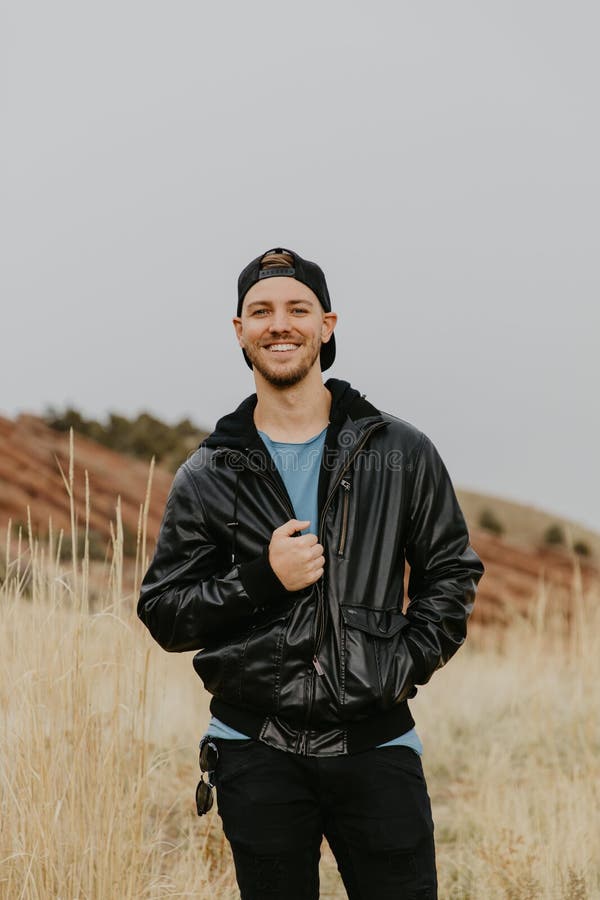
{"points": [[282, 378], [285, 380]]}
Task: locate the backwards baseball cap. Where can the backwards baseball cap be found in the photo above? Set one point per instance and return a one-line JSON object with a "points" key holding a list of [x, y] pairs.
{"points": [[309, 273]]}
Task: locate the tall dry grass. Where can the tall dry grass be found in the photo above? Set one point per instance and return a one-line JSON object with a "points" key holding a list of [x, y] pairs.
{"points": [[99, 730]]}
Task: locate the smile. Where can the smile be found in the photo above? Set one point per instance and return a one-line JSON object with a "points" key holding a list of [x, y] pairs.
{"points": [[282, 348]]}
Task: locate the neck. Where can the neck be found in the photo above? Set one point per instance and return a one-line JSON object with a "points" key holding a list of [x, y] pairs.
{"points": [[292, 414]]}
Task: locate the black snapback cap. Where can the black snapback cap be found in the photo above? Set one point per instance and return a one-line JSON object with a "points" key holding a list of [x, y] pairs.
{"points": [[309, 273]]}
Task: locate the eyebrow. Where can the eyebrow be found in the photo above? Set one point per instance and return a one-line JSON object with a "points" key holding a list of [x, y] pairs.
{"points": [[307, 300]]}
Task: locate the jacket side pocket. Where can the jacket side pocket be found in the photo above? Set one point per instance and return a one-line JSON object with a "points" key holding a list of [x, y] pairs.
{"points": [[242, 671], [376, 659]]}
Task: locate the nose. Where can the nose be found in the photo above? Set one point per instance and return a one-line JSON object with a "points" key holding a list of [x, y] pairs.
{"points": [[280, 321]]}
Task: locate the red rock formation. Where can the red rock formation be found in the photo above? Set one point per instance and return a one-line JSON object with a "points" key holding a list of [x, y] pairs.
{"points": [[32, 455], [31, 458]]}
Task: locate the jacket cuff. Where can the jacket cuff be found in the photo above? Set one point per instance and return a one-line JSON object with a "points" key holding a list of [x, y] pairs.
{"points": [[260, 581]]}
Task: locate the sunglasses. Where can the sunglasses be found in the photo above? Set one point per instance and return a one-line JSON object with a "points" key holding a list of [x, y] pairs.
{"points": [[209, 756]]}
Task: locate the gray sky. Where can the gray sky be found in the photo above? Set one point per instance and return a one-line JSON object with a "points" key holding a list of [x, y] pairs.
{"points": [[439, 160]]}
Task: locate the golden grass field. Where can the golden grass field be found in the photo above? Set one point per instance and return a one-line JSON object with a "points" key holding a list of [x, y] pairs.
{"points": [[98, 752]]}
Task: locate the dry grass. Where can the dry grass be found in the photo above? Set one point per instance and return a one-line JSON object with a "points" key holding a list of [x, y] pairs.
{"points": [[98, 757]]}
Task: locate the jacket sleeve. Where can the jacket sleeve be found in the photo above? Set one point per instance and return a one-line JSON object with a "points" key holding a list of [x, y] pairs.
{"points": [[444, 568], [187, 598]]}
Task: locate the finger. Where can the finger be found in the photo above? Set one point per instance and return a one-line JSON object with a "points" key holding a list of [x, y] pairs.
{"points": [[292, 526], [316, 552]]}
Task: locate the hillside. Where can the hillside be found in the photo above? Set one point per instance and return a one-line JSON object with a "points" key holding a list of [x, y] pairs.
{"points": [[31, 458], [526, 524], [32, 454]]}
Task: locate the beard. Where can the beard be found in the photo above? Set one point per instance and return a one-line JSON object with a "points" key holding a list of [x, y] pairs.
{"points": [[296, 371]]}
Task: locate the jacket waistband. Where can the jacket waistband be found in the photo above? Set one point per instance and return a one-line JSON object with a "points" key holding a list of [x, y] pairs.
{"points": [[356, 737]]}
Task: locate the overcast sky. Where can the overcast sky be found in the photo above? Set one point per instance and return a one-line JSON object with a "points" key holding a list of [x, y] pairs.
{"points": [[439, 160]]}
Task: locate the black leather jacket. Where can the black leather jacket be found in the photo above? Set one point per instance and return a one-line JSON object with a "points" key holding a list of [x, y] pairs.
{"points": [[326, 670]]}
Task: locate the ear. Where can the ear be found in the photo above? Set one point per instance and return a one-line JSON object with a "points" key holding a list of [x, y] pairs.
{"points": [[237, 324], [329, 323]]}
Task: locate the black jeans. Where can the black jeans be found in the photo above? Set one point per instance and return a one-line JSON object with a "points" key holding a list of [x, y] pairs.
{"points": [[372, 807]]}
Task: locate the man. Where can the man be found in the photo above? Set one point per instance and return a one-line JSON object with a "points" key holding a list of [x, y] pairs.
{"points": [[281, 558]]}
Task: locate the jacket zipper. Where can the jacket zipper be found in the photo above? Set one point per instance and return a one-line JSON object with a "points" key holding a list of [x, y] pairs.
{"points": [[319, 626], [320, 611], [345, 504], [302, 744]]}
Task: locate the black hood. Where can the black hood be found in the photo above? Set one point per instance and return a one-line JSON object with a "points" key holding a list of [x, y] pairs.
{"points": [[237, 429]]}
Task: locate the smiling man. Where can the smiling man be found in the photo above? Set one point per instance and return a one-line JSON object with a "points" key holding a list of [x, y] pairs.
{"points": [[282, 333], [281, 559]]}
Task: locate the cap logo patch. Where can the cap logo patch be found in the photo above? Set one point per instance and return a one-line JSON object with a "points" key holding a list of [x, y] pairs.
{"points": [[282, 270]]}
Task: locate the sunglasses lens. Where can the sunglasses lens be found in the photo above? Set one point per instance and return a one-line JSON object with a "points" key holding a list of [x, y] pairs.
{"points": [[208, 757], [204, 798]]}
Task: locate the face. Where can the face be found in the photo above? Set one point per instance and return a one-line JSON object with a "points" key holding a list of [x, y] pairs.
{"points": [[281, 328]]}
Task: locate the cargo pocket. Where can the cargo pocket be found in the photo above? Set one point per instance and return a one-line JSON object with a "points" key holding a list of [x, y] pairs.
{"points": [[375, 661]]}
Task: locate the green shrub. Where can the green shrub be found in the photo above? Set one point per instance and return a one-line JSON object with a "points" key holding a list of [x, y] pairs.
{"points": [[554, 535], [142, 437], [489, 520], [581, 548]]}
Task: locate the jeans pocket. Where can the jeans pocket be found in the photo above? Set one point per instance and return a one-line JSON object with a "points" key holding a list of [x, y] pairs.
{"points": [[236, 756]]}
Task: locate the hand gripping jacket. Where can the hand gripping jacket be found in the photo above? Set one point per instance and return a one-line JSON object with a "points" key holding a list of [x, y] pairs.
{"points": [[327, 670]]}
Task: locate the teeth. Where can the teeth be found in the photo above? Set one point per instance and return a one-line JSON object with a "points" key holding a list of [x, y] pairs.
{"points": [[280, 347]]}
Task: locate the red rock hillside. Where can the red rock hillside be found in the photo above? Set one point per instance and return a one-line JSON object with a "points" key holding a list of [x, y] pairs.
{"points": [[31, 454], [31, 458]]}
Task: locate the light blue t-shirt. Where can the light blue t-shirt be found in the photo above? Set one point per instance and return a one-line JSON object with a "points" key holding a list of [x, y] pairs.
{"points": [[299, 465]]}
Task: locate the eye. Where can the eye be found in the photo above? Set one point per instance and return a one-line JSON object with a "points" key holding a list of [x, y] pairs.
{"points": [[299, 310], [259, 312]]}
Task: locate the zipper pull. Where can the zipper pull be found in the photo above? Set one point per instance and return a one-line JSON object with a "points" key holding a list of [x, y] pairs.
{"points": [[346, 485], [317, 666]]}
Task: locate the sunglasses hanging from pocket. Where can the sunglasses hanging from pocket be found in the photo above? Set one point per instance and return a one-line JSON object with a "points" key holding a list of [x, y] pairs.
{"points": [[208, 759]]}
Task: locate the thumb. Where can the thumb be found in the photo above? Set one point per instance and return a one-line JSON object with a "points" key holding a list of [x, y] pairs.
{"points": [[293, 525]]}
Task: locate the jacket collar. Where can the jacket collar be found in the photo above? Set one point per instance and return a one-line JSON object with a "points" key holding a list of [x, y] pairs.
{"points": [[238, 431]]}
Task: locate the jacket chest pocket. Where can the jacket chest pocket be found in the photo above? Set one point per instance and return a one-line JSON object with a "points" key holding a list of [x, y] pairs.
{"points": [[376, 666]]}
